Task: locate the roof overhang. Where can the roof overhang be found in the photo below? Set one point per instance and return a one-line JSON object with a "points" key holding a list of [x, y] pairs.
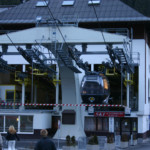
{"points": [[71, 35]]}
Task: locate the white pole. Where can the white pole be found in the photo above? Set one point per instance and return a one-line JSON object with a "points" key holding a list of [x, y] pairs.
{"points": [[57, 84], [128, 89], [23, 88], [59, 123]]}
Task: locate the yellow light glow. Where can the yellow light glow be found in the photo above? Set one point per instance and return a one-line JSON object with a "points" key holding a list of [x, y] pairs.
{"points": [[17, 119], [105, 84]]}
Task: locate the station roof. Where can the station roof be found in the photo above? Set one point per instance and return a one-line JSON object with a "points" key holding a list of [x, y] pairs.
{"points": [[106, 11]]}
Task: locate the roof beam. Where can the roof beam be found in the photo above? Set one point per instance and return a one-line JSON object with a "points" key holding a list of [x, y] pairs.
{"points": [[71, 34]]}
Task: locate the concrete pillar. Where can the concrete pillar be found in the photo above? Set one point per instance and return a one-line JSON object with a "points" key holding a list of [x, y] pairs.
{"points": [[70, 95]]}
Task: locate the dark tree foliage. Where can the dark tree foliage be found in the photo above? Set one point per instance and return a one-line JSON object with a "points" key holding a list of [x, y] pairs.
{"points": [[141, 6], [11, 2]]}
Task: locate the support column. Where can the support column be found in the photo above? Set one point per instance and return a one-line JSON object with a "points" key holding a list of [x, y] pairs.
{"points": [[35, 94], [92, 67], [128, 89], [111, 124], [23, 89], [70, 95], [57, 84]]}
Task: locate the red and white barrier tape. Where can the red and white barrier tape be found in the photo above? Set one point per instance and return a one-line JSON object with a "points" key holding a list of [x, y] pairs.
{"points": [[34, 104]]}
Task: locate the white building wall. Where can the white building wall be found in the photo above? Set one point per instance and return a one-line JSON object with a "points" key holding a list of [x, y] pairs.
{"points": [[3, 89], [143, 113], [42, 121], [139, 46]]}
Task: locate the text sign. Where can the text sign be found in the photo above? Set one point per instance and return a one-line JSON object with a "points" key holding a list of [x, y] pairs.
{"points": [[109, 114]]}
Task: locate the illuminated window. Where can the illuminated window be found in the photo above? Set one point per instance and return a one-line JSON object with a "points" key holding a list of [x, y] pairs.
{"points": [[94, 2], [105, 84], [68, 2]]}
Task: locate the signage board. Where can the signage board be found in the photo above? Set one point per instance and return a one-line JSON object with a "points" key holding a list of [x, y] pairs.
{"points": [[109, 114], [91, 110], [127, 111]]}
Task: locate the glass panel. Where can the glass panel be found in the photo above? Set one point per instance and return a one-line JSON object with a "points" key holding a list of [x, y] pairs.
{"points": [[10, 96], [134, 125], [90, 124], [11, 120], [1, 123], [26, 123], [126, 125], [117, 125], [99, 126], [105, 124]]}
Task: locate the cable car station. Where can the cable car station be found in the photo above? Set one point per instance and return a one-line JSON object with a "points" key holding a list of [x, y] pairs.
{"points": [[91, 80]]}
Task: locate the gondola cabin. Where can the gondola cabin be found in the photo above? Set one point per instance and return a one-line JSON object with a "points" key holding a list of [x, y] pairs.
{"points": [[95, 89]]}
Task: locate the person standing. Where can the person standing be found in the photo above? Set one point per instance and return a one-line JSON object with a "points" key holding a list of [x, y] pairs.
{"points": [[11, 137], [44, 143]]}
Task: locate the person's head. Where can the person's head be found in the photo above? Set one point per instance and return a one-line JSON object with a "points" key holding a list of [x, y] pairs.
{"points": [[12, 129], [44, 132]]}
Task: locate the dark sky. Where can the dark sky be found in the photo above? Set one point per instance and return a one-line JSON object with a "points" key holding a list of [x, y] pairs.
{"points": [[143, 6]]}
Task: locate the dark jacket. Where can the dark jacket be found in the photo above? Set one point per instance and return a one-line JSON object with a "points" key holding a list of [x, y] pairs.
{"points": [[10, 136], [45, 144]]}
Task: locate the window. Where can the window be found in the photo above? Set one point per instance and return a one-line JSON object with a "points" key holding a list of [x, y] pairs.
{"points": [[102, 124], [68, 2], [94, 2], [11, 120], [26, 123], [41, 3], [1, 123], [96, 124], [10, 95], [90, 124], [21, 123], [68, 117]]}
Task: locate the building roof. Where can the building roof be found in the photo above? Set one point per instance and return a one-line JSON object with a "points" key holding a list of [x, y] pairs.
{"points": [[106, 11]]}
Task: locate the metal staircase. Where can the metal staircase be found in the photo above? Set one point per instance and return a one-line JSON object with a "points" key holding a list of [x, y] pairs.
{"points": [[67, 60], [120, 57], [33, 57]]}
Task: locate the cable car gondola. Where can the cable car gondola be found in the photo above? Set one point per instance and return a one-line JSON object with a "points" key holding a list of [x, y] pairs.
{"points": [[95, 89]]}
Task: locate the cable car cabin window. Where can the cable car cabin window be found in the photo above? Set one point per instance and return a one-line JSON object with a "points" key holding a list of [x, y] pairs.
{"points": [[91, 77], [68, 117], [105, 84], [92, 88]]}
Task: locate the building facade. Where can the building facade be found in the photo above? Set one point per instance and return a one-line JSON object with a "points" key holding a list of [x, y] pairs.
{"points": [[23, 86]]}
